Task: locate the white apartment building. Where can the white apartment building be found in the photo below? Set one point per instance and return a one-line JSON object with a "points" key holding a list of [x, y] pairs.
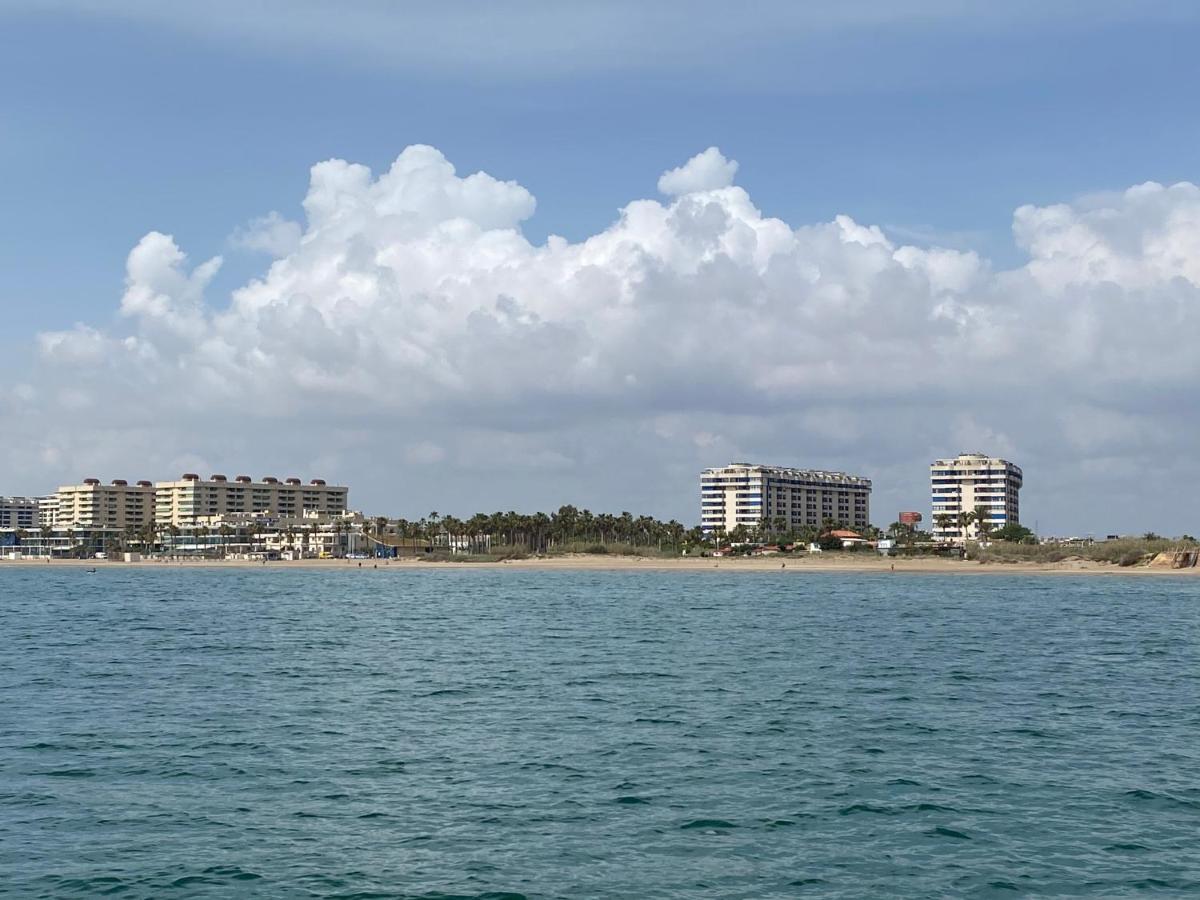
{"points": [[973, 480], [190, 500], [745, 494], [20, 513], [118, 505], [47, 511]]}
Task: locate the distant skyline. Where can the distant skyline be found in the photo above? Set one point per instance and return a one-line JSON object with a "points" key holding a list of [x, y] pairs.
{"points": [[855, 236]]}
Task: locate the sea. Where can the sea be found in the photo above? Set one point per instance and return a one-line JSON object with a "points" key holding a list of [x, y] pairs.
{"points": [[506, 734]]}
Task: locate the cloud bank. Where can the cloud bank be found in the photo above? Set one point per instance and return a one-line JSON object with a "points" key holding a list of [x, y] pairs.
{"points": [[407, 336]]}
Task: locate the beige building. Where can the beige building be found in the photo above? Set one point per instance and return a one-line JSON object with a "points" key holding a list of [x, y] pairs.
{"points": [[744, 494], [968, 481], [118, 504], [191, 501]]}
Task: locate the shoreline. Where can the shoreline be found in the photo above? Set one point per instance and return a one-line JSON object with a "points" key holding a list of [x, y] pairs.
{"points": [[584, 563]]}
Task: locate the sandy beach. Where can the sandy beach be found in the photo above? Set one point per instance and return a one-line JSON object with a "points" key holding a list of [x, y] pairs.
{"points": [[847, 563]]}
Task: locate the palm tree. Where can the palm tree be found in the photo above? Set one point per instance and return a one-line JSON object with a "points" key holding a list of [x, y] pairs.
{"points": [[983, 524], [964, 522], [146, 536], [381, 524], [944, 521], [718, 536], [225, 532], [676, 531]]}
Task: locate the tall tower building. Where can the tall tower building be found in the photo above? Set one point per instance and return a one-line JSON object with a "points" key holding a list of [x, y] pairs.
{"points": [[969, 481]]}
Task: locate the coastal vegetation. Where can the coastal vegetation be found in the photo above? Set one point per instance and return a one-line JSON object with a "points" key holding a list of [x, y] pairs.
{"points": [[488, 536], [1122, 551], [499, 536], [568, 530]]}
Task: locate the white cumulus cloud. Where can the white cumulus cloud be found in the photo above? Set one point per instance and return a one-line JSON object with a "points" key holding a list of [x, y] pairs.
{"points": [[408, 336], [707, 171]]}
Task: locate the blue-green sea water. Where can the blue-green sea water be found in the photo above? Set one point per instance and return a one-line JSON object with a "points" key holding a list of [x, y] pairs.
{"points": [[505, 734]]}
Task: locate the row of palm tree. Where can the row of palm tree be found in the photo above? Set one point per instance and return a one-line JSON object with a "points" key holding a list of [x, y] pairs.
{"points": [[536, 532], [573, 527], [980, 517]]}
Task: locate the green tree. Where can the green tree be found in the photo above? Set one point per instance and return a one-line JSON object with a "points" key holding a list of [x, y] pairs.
{"points": [[225, 532], [829, 541], [944, 521], [146, 535], [965, 518], [983, 522], [1015, 534]]}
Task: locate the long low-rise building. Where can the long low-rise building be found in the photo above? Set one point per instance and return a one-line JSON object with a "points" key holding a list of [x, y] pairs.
{"points": [[745, 494], [96, 517], [124, 505]]}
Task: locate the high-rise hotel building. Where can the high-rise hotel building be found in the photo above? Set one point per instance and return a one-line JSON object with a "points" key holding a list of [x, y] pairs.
{"points": [[972, 480], [744, 494], [190, 500]]}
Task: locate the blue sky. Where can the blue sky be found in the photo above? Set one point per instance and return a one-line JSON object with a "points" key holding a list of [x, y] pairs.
{"points": [[931, 120]]}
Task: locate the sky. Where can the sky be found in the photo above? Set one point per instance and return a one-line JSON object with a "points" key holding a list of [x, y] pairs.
{"points": [[490, 256]]}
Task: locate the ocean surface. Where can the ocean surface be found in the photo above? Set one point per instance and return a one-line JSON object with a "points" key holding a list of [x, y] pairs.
{"points": [[506, 734]]}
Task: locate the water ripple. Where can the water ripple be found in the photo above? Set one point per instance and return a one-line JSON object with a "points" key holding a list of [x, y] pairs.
{"points": [[485, 735]]}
